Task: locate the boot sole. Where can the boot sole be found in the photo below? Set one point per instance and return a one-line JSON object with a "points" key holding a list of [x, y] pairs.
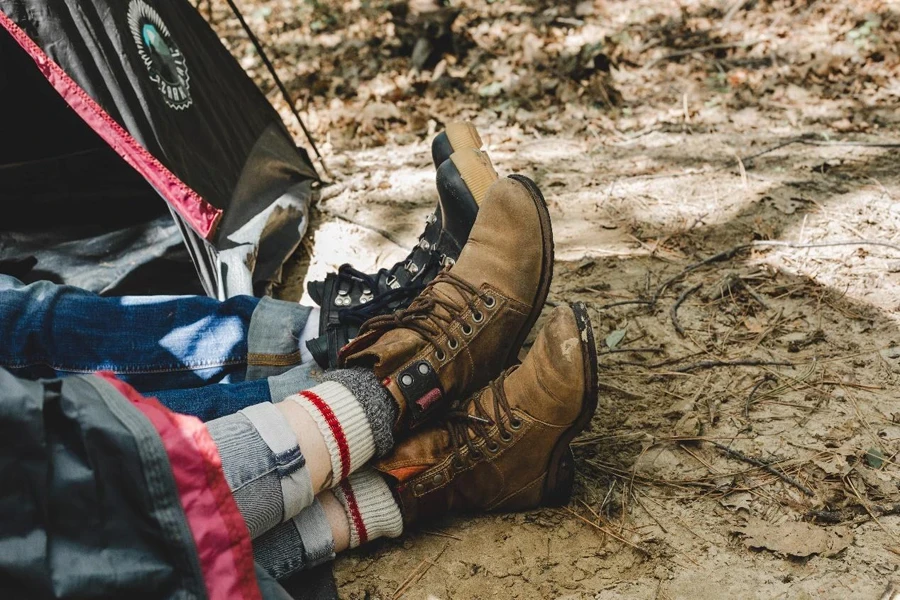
{"points": [[561, 471], [540, 297], [477, 172], [456, 136]]}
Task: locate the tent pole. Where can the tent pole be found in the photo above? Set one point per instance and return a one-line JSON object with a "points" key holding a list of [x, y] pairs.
{"points": [[271, 68]]}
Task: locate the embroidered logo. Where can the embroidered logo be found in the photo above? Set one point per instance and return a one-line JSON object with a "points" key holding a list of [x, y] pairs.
{"points": [[164, 61]]}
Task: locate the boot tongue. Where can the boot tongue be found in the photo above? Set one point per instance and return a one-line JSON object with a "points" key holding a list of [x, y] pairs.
{"points": [[394, 349], [439, 313]]}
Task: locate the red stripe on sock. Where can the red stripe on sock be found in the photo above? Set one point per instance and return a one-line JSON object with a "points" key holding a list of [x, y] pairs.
{"points": [[336, 430], [355, 515]]}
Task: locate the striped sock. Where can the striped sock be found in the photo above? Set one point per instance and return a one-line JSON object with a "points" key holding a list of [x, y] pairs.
{"points": [[370, 506], [344, 425]]}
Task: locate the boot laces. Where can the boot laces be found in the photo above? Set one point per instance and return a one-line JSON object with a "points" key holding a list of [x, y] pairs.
{"points": [[358, 315], [423, 318], [473, 417]]}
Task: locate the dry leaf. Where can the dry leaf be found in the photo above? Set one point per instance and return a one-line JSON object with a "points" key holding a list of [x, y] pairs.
{"points": [[795, 538]]}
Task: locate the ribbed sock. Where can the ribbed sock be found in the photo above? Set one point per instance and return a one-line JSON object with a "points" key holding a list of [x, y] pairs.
{"points": [[371, 508], [379, 406], [343, 423]]}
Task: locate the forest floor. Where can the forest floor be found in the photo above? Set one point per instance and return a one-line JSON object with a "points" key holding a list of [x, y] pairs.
{"points": [[726, 165]]}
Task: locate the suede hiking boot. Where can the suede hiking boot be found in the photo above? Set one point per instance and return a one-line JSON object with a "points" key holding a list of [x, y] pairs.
{"points": [[354, 297], [507, 447], [470, 322]]}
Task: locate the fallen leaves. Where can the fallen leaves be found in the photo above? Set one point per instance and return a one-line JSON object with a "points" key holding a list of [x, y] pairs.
{"points": [[795, 538]]}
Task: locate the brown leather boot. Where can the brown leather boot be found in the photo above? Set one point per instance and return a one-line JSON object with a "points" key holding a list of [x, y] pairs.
{"points": [[470, 322], [506, 448]]}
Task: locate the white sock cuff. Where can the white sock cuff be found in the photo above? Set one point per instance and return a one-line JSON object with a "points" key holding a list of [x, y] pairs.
{"points": [[370, 507], [343, 423]]}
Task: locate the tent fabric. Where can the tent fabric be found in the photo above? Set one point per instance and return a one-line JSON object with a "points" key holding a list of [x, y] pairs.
{"points": [[154, 84]]}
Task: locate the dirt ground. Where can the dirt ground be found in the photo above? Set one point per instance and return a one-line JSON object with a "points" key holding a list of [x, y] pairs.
{"points": [[723, 178]]}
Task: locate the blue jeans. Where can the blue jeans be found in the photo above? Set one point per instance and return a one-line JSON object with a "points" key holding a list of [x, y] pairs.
{"points": [[197, 355]]}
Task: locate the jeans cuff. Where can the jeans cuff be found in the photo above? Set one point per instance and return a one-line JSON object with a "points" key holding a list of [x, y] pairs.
{"points": [[296, 380], [274, 337]]}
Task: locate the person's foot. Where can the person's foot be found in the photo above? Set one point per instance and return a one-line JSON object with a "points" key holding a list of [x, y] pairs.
{"points": [[352, 297], [507, 447], [470, 322]]}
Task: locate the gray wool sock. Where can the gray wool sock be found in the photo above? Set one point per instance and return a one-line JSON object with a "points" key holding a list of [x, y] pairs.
{"points": [[380, 408]]}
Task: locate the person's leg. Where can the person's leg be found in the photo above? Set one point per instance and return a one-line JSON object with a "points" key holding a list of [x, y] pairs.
{"points": [[361, 510], [277, 457], [505, 448], [153, 343]]}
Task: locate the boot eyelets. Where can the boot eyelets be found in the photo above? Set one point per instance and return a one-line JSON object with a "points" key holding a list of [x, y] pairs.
{"points": [[506, 436], [490, 302], [478, 317], [452, 344], [467, 330], [493, 447], [440, 355], [515, 424], [477, 455]]}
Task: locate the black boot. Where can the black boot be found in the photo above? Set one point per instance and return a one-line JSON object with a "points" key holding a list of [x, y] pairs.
{"points": [[350, 297], [457, 136]]}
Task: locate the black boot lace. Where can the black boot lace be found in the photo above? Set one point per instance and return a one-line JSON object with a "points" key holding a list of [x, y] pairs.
{"points": [[378, 305], [472, 416], [429, 323]]}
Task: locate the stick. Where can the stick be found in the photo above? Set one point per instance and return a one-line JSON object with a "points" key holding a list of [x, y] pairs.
{"points": [[689, 51], [764, 466], [732, 252], [807, 139], [749, 362], [624, 303], [606, 531], [674, 312], [651, 350], [418, 573], [768, 377]]}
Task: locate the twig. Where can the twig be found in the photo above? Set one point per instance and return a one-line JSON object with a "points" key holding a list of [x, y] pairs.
{"points": [[418, 573], [625, 303], [764, 466], [808, 140], [834, 517], [732, 252], [767, 378], [865, 506], [441, 534], [749, 362], [711, 47], [602, 529], [650, 350], [674, 312]]}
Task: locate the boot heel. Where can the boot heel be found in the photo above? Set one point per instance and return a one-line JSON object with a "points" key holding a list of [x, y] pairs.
{"points": [[457, 136], [476, 171], [463, 135], [560, 481]]}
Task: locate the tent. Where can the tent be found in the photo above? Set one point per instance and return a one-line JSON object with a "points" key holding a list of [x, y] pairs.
{"points": [[108, 105]]}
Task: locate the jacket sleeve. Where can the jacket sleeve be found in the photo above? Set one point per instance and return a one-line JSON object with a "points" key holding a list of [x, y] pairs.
{"points": [[107, 494]]}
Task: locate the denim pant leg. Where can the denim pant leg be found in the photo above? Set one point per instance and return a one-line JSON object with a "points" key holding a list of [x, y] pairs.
{"points": [[214, 401], [153, 342]]}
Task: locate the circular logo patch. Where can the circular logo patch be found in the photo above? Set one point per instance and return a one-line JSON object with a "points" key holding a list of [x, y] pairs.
{"points": [[164, 61]]}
